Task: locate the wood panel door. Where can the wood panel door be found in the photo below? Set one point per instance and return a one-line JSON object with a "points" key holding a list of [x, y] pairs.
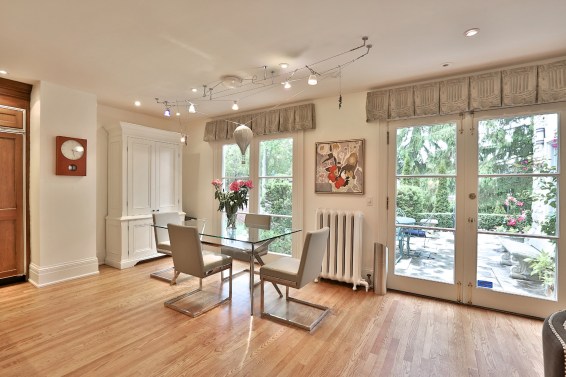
{"points": [[11, 205]]}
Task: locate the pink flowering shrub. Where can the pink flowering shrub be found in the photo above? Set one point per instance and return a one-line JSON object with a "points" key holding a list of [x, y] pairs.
{"points": [[516, 220]]}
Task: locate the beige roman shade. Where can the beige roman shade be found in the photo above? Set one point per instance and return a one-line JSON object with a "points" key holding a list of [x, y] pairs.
{"points": [[287, 119], [520, 86]]}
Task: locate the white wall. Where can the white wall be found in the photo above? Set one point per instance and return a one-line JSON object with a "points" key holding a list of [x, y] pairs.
{"points": [[346, 123], [198, 174], [332, 123], [62, 208]]}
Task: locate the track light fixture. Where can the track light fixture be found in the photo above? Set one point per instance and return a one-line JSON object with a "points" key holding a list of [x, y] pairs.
{"points": [[230, 86]]}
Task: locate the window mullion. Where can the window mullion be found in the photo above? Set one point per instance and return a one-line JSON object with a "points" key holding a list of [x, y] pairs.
{"points": [[254, 174]]}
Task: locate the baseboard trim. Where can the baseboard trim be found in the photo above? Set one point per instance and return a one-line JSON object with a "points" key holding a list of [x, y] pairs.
{"points": [[43, 276], [13, 280]]}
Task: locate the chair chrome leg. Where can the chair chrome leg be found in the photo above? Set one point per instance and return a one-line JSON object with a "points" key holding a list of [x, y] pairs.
{"points": [[262, 299], [172, 302], [230, 284], [158, 274], [309, 327], [175, 276]]}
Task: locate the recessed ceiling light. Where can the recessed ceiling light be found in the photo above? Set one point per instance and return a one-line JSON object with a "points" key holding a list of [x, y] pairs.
{"points": [[178, 114], [137, 103], [471, 32], [447, 64], [194, 90], [3, 72], [283, 65]]}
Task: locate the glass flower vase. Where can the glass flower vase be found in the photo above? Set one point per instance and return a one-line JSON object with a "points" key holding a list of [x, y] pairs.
{"points": [[231, 220]]}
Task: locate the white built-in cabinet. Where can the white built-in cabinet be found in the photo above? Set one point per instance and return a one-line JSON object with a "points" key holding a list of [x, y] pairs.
{"points": [[144, 177]]}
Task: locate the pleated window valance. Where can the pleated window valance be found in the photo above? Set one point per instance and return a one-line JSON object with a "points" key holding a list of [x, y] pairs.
{"points": [[293, 118], [530, 85]]}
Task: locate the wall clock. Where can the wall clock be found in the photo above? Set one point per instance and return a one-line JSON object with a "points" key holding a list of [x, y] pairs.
{"points": [[70, 156]]}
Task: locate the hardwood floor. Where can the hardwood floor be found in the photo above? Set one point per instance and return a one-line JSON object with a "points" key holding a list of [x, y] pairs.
{"points": [[115, 324]]}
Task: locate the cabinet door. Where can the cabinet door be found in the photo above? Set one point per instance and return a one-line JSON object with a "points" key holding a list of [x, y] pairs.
{"points": [[141, 181], [167, 173], [141, 242]]}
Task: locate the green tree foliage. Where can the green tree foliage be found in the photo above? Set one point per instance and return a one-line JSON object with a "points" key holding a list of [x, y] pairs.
{"points": [[505, 146], [410, 199], [233, 167], [441, 202], [278, 197]]}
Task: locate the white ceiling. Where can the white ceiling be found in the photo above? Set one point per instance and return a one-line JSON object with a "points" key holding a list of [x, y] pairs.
{"points": [[126, 50]]}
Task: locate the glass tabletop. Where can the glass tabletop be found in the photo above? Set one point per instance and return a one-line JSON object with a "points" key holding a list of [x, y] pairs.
{"points": [[238, 237]]}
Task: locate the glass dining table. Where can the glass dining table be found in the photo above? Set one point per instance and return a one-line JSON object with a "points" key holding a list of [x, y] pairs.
{"points": [[242, 237]]}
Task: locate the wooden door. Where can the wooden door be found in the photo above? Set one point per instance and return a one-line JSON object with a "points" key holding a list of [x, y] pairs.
{"points": [[11, 205]]}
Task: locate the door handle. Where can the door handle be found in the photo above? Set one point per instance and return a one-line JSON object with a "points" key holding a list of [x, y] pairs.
{"points": [[471, 220]]}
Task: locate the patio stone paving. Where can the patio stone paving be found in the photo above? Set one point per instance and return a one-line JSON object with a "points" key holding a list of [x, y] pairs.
{"points": [[433, 259]]}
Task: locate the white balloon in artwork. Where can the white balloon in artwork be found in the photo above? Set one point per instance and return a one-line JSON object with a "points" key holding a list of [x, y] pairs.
{"points": [[243, 135]]}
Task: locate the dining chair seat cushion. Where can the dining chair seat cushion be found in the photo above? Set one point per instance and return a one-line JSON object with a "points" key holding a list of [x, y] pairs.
{"points": [[213, 260], [240, 254], [283, 268]]}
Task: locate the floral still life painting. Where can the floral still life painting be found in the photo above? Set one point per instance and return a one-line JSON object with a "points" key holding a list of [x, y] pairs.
{"points": [[340, 167]]}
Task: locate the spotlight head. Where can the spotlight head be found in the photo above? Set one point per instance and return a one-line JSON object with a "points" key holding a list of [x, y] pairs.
{"points": [[167, 112], [235, 106], [192, 108], [312, 80]]}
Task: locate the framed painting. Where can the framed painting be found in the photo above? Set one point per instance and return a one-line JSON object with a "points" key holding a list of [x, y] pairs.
{"points": [[339, 167]]}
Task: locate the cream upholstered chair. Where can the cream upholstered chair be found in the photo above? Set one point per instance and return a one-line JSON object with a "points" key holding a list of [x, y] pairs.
{"points": [[254, 221], [189, 258], [296, 273], [162, 240]]}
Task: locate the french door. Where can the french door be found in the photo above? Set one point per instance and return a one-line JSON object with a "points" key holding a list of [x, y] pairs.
{"points": [[473, 214]]}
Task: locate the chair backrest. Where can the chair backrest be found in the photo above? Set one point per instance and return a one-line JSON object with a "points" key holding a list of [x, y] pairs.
{"points": [[162, 219], [186, 250], [313, 253], [255, 220]]}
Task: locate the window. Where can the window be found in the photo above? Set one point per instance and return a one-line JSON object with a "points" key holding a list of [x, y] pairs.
{"points": [[269, 163]]}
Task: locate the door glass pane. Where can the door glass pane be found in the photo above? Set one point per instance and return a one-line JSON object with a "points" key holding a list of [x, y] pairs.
{"points": [[425, 202], [427, 150], [527, 144], [275, 196], [275, 185], [276, 157], [233, 169], [517, 197], [524, 205]]}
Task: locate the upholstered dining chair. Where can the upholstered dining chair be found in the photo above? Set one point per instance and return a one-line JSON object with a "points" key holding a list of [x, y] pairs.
{"points": [[188, 258], [254, 221], [296, 273], [162, 243]]}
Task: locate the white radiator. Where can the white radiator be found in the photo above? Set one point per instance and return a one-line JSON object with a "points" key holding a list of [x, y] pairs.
{"points": [[343, 258]]}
